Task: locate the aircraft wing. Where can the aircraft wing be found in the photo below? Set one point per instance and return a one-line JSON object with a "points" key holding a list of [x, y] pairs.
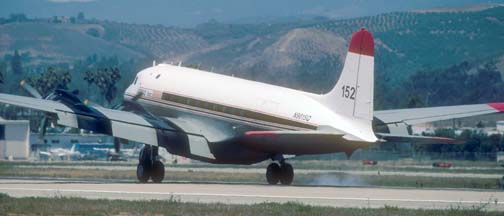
{"points": [[122, 124], [318, 142], [423, 115], [417, 140], [300, 142]]}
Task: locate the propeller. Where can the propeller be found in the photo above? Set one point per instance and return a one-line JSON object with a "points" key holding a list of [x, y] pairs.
{"points": [[88, 102], [42, 129], [137, 96], [120, 106], [117, 145], [32, 91], [45, 121]]}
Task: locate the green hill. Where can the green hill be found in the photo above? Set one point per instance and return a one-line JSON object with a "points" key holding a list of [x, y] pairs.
{"points": [[53, 43], [406, 42], [303, 54]]}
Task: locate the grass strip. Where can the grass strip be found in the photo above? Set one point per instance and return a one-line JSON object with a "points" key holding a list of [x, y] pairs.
{"points": [[339, 165], [80, 206], [327, 179]]}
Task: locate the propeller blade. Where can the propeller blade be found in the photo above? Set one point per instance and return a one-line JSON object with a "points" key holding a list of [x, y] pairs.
{"points": [[88, 102], [30, 89], [42, 129], [137, 96], [117, 144]]}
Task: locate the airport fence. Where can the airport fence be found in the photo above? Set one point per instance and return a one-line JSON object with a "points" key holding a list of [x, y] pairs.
{"points": [[384, 155], [424, 156]]}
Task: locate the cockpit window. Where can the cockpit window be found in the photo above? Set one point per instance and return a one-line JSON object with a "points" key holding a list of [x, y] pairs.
{"points": [[158, 76], [134, 82]]}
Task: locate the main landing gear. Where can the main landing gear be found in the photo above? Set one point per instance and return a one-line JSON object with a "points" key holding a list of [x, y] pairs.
{"points": [[149, 165], [280, 172]]}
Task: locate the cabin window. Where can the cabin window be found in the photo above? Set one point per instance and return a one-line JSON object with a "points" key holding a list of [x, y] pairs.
{"points": [[158, 76], [177, 99]]}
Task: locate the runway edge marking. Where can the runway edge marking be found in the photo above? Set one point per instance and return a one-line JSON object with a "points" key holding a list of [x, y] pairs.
{"points": [[255, 196]]}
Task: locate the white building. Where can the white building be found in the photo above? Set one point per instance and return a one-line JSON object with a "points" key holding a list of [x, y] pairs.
{"points": [[500, 126], [14, 139]]}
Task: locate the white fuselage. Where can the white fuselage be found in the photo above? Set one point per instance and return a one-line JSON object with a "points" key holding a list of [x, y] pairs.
{"points": [[268, 105]]}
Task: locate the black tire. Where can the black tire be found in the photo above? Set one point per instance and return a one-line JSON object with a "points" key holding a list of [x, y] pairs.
{"points": [[287, 174], [145, 156], [142, 173], [158, 172], [273, 173]]}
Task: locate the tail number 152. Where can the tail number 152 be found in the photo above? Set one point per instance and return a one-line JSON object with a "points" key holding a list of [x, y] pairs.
{"points": [[348, 92]]}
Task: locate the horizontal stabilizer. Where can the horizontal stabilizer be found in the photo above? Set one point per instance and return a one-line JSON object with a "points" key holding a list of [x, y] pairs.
{"points": [[417, 140], [430, 114], [299, 142]]}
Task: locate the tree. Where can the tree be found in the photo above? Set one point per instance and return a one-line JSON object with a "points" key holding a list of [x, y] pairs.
{"points": [[106, 80], [3, 70], [89, 77], [494, 141], [485, 85], [415, 102], [16, 67], [80, 16], [17, 18], [50, 80]]}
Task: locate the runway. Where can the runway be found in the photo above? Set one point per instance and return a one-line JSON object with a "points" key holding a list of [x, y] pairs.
{"points": [[361, 197], [298, 171]]}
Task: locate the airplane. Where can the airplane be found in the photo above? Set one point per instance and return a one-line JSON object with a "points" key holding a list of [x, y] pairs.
{"points": [[61, 154], [228, 120]]}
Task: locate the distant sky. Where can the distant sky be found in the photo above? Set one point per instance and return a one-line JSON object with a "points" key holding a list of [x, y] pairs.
{"points": [[192, 12]]}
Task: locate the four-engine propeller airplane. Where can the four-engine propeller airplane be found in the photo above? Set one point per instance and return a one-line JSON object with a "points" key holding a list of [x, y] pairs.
{"points": [[227, 120]]}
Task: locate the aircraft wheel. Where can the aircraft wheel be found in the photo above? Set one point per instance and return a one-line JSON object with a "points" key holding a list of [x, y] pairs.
{"points": [[286, 174], [142, 173], [158, 172], [273, 173]]}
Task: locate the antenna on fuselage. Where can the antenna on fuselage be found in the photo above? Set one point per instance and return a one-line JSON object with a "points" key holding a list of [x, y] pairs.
{"points": [[153, 63], [180, 63]]}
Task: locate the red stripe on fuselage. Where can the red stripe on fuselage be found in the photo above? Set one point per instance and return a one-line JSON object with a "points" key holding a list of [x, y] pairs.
{"points": [[260, 133]]}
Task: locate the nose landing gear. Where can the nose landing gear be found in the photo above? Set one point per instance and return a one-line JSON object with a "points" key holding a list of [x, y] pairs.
{"points": [[149, 165]]}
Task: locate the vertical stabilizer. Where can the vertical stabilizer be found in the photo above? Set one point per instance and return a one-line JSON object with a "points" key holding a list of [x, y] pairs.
{"points": [[352, 96]]}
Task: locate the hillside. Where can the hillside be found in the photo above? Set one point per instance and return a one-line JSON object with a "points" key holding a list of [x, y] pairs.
{"points": [[52, 43], [406, 42], [305, 54]]}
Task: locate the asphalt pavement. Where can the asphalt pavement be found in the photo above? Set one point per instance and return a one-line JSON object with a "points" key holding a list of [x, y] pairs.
{"points": [[362, 197]]}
